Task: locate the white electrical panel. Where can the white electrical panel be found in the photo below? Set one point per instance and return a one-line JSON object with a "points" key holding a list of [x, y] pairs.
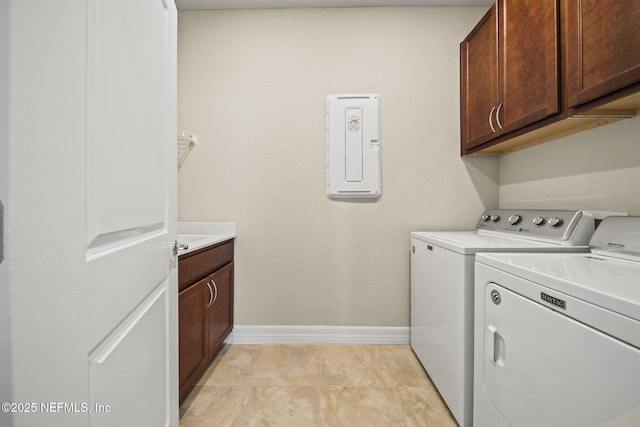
{"points": [[353, 146]]}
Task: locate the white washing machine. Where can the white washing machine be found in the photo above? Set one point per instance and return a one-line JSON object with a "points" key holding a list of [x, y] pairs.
{"points": [[557, 337], [442, 271]]}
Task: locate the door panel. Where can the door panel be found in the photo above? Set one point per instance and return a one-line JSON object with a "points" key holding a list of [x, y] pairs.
{"points": [[192, 333], [603, 49], [479, 91], [221, 311], [126, 390], [529, 62], [127, 89]]}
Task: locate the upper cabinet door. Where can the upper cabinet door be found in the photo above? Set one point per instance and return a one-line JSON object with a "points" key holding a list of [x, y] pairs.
{"points": [[479, 82], [528, 65], [603, 47], [509, 70]]}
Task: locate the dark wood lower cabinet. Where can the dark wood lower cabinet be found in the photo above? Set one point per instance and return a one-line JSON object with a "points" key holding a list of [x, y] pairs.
{"points": [[205, 311], [220, 312], [192, 317]]}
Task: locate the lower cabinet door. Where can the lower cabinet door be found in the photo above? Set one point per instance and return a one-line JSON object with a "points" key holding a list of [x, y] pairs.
{"points": [[193, 351], [221, 310]]}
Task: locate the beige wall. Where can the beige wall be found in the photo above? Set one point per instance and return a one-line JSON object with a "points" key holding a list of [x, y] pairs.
{"points": [[253, 84], [597, 169]]}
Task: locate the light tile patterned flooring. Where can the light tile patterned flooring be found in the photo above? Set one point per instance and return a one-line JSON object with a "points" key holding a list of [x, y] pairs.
{"points": [[317, 386]]}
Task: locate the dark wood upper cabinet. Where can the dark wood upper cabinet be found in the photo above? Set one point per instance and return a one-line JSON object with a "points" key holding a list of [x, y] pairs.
{"points": [[479, 82], [509, 66], [603, 48], [563, 66], [529, 62]]}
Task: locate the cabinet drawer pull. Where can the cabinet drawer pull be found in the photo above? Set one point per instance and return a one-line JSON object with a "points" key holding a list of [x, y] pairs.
{"points": [[498, 116], [215, 287], [490, 122], [210, 295]]}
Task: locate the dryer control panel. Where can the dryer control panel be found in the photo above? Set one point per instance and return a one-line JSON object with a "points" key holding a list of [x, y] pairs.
{"points": [[618, 237]]}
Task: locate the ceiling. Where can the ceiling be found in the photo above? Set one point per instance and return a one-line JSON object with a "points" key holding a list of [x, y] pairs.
{"points": [[281, 4]]}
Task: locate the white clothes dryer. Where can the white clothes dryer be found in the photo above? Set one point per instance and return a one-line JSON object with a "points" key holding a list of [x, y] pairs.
{"points": [[557, 337], [442, 274]]}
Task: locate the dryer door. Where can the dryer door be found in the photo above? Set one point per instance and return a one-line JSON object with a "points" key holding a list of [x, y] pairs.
{"points": [[543, 368]]}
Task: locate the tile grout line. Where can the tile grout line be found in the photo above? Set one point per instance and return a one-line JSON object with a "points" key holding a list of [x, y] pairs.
{"points": [[404, 416], [320, 358], [393, 386], [247, 384]]}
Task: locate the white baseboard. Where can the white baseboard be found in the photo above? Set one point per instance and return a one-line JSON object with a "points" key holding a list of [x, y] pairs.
{"points": [[275, 334]]}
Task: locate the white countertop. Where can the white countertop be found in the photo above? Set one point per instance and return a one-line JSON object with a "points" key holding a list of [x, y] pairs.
{"points": [[199, 235]]}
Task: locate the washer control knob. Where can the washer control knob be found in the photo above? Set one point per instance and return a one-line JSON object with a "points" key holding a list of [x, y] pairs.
{"points": [[555, 222], [484, 217], [538, 220], [495, 218], [514, 219]]}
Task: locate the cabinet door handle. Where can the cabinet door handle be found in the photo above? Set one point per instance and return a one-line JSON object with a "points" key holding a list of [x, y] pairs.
{"points": [[498, 116], [210, 295], [215, 287], [490, 122]]}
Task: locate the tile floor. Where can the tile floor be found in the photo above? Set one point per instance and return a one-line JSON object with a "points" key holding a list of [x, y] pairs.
{"points": [[315, 385]]}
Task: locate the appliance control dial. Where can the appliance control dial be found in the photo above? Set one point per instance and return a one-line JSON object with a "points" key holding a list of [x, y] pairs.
{"points": [[514, 219], [485, 217], [538, 220], [495, 218], [555, 222]]}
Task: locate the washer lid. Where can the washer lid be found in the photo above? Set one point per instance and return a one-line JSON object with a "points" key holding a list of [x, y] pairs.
{"points": [[470, 242], [607, 282]]}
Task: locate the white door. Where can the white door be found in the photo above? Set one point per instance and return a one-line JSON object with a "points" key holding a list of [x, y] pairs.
{"points": [[92, 212]]}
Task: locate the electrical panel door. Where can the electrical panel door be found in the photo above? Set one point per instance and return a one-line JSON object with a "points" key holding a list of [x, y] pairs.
{"points": [[353, 146]]}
